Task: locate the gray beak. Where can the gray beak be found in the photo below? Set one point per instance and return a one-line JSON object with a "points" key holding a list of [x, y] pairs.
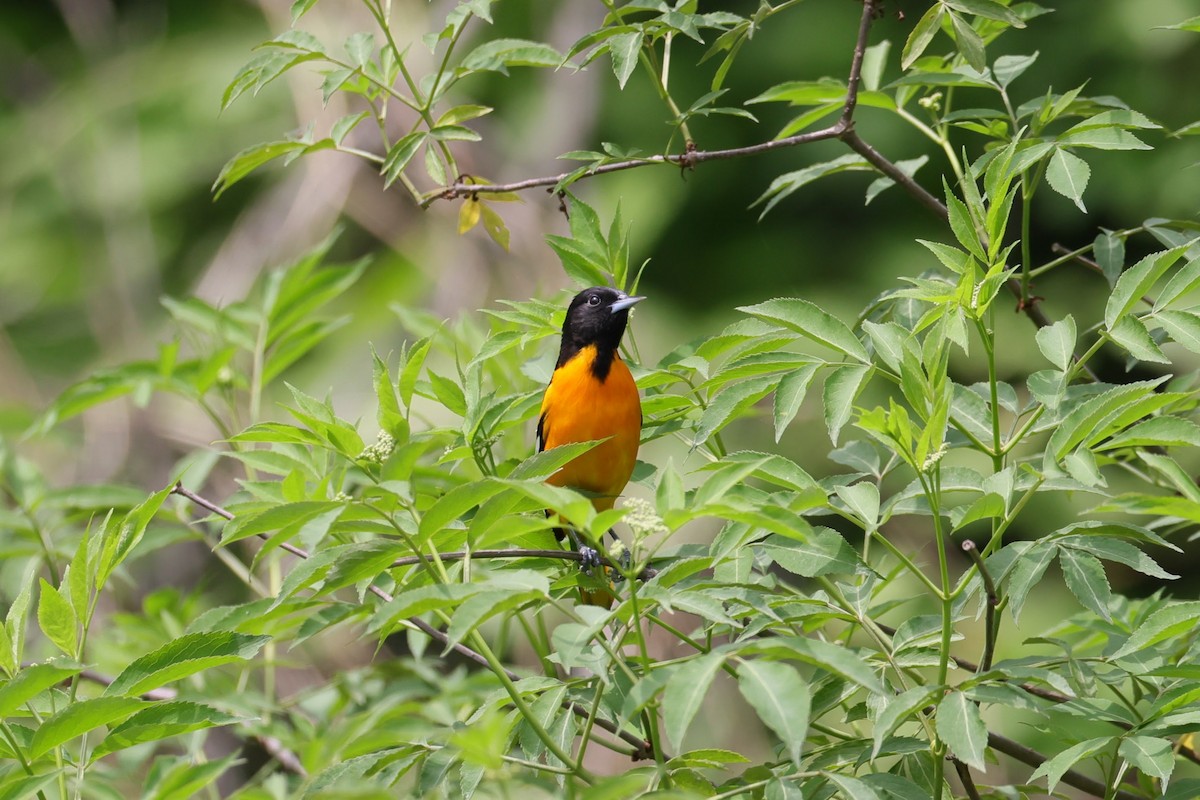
{"points": [[624, 303]]}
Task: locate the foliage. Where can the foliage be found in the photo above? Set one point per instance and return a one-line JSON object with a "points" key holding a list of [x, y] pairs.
{"points": [[813, 600]]}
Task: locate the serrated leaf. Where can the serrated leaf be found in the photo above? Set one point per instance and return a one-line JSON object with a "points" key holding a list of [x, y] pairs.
{"points": [[1057, 342], [960, 726], [685, 692], [789, 395], [1054, 768], [782, 699], [897, 711], [185, 656], [32, 681], [1165, 431], [624, 49], [922, 34], [732, 400], [57, 620], [1182, 326], [161, 721], [842, 386], [1153, 756], [811, 321], [80, 717], [1131, 334], [969, 43], [1165, 623], [1068, 174], [1109, 251], [1084, 575]]}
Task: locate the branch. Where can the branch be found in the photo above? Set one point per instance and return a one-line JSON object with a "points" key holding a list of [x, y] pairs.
{"points": [[993, 600], [1035, 759], [275, 748], [639, 748], [564, 555], [690, 158]]}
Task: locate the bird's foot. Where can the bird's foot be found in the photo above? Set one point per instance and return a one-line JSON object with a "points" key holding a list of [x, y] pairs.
{"points": [[589, 559], [618, 575]]}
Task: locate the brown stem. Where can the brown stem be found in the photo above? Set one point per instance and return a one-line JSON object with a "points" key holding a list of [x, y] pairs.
{"points": [[964, 775], [993, 600], [1033, 758]]}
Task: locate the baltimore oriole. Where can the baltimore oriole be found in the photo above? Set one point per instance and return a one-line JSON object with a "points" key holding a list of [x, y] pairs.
{"points": [[593, 396]]}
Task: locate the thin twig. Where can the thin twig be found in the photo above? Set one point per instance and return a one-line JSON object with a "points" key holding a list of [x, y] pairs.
{"points": [[462, 189], [563, 555], [639, 748], [993, 600]]}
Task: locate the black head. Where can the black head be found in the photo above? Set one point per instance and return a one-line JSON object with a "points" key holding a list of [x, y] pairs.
{"points": [[596, 316]]}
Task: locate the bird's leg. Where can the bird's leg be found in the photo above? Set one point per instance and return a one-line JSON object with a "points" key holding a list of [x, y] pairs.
{"points": [[589, 557], [623, 558]]}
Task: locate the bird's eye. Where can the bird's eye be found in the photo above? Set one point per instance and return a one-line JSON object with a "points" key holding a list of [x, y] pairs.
{"points": [[594, 300]]}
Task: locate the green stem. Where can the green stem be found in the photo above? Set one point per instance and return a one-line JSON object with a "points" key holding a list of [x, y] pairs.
{"points": [[989, 347], [481, 646], [932, 491]]}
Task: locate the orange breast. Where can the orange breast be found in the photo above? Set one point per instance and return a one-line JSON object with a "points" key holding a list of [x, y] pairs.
{"points": [[578, 407]]}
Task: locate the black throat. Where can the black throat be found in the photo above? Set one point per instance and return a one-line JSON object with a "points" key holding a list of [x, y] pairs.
{"points": [[605, 353]]}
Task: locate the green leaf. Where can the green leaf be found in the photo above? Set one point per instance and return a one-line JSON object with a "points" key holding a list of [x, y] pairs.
{"points": [[57, 619], [730, 401], [989, 9], [32, 681], [1109, 251], [80, 717], [852, 788], [1164, 431], [960, 726], [811, 321], [922, 34], [1166, 623], [1068, 175], [1182, 326], [789, 182], [836, 659], [1054, 768], [1086, 419], [842, 386], [360, 47], [1007, 69], [789, 395], [686, 691], [898, 710], [1057, 342], [969, 43], [1031, 566], [288, 518], [624, 49], [1185, 281], [1085, 578], [400, 154], [1131, 334], [185, 656], [251, 159], [1153, 756], [1192, 24], [781, 698], [161, 721], [820, 552], [497, 55]]}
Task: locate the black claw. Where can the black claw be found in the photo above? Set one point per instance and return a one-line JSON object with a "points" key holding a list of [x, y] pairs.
{"points": [[618, 575], [589, 559]]}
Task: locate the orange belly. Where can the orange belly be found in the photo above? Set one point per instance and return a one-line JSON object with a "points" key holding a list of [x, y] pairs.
{"points": [[578, 407]]}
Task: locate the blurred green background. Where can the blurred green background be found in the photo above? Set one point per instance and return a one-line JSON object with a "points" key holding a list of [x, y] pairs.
{"points": [[111, 137]]}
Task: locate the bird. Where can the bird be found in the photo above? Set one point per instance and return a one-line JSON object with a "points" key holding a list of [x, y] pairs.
{"points": [[591, 396]]}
